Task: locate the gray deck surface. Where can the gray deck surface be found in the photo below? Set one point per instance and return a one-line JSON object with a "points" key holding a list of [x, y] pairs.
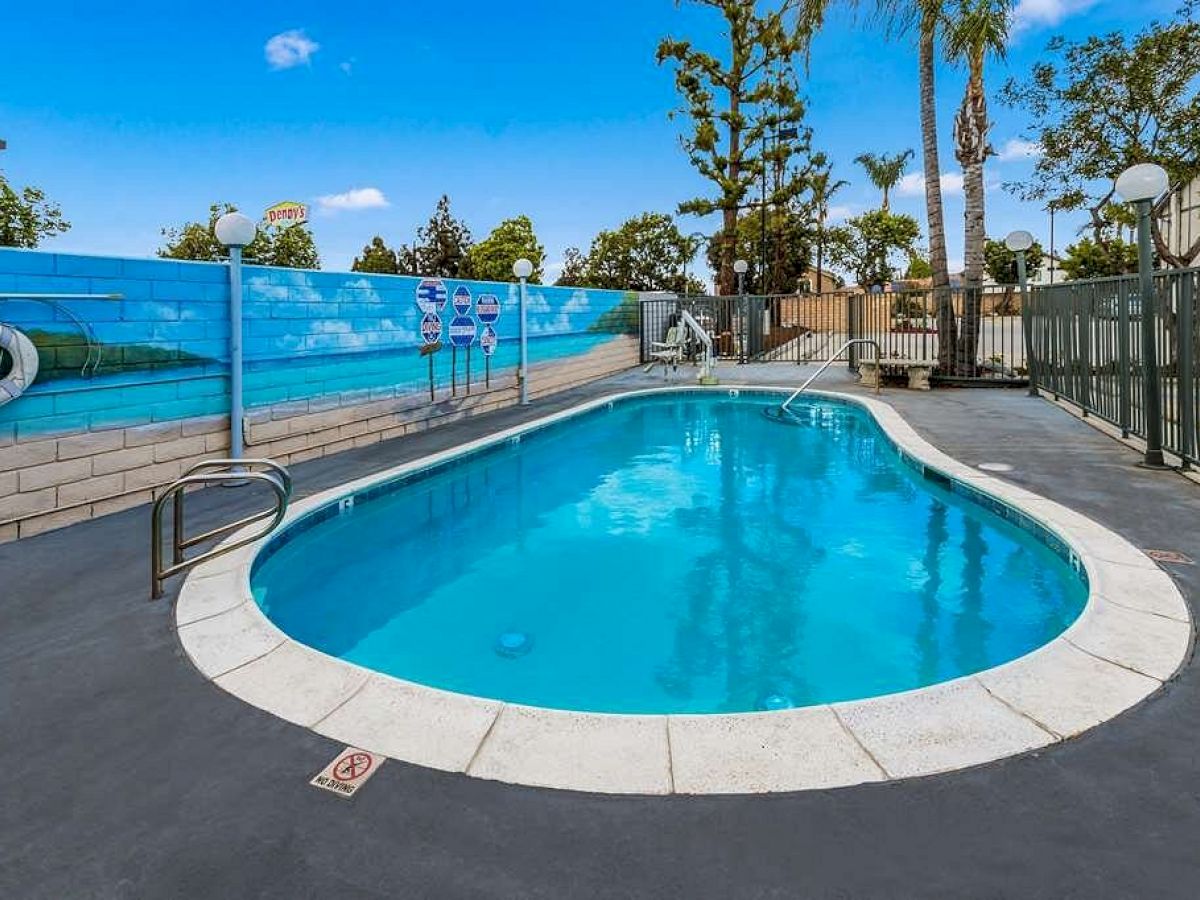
{"points": [[126, 774]]}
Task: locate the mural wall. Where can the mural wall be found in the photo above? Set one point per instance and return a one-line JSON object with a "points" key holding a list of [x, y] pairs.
{"points": [[132, 360], [161, 351]]}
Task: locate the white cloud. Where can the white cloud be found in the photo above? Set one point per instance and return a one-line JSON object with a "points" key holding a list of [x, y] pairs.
{"points": [[1015, 148], [289, 49], [840, 213], [347, 67], [353, 199], [913, 184], [1030, 13]]}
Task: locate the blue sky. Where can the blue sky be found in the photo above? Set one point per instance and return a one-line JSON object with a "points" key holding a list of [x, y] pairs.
{"points": [[137, 115]]}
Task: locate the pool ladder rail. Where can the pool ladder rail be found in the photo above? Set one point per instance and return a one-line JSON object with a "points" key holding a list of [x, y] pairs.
{"points": [[213, 471], [783, 407]]}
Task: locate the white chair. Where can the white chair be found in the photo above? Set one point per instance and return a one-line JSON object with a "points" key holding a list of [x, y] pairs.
{"points": [[666, 353]]}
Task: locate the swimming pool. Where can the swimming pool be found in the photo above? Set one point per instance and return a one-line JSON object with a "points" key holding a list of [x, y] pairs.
{"points": [[672, 554]]}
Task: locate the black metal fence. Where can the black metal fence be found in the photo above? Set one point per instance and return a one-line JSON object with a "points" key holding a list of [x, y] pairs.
{"points": [[797, 328], [1086, 340]]}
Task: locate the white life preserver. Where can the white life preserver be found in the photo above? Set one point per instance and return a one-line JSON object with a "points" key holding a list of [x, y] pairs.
{"points": [[24, 356]]}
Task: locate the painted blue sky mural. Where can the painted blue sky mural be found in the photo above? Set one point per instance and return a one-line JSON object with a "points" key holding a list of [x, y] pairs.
{"points": [[151, 111]]}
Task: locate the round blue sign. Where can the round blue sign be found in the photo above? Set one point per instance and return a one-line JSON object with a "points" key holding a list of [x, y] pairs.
{"points": [[488, 340], [431, 296], [462, 300], [487, 307], [431, 328], [462, 331]]}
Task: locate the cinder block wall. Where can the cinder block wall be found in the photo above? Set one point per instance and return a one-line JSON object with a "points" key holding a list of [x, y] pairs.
{"points": [[331, 365]]}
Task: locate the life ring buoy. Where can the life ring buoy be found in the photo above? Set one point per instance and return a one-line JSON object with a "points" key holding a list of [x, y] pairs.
{"points": [[24, 356]]}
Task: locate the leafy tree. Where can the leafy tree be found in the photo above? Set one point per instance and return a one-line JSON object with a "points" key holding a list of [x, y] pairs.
{"points": [[285, 247], [1106, 103], [1095, 259], [734, 100], [977, 29], [884, 171], [198, 240], [292, 247], [492, 258], [442, 244], [866, 245], [1001, 263], [26, 216], [378, 258], [646, 253], [574, 270], [789, 232], [918, 268]]}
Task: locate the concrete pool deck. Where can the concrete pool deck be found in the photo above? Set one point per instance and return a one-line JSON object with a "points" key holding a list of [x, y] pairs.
{"points": [[130, 775]]}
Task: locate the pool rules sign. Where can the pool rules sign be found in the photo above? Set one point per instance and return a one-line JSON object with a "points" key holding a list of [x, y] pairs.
{"points": [[348, 772]]}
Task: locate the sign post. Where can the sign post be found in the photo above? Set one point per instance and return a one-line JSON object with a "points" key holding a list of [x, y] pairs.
{"points": [[431, 300], [487, 309]]}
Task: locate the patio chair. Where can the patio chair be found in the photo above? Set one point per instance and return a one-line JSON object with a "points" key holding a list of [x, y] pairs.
{"points": [[666, 353]]}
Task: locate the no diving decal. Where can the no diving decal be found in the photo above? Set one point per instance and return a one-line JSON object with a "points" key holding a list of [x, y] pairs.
{"points": [[348, 772]]}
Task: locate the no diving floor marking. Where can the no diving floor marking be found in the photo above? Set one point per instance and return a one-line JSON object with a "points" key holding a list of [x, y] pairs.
{"points": [[348, 772]]}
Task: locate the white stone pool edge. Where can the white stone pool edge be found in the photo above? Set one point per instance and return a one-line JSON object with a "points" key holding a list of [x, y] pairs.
{"points": [[1133, 634]]}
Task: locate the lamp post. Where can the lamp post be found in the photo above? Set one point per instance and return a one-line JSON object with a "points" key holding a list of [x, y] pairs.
{"points": [[1019, 243], [523, 268], [235, 231], [740, 266], [1140, 185]]}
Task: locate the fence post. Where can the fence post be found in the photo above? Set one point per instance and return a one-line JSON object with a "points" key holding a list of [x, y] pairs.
{"points": [[1123, 383], [1186, 375]]}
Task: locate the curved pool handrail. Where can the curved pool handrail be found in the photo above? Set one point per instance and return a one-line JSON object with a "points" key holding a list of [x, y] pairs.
{"points": [[829, 362], [278, 479]]}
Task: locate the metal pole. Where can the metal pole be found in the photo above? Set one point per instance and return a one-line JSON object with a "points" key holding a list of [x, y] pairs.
{"points": [[744, 324], [236, 449], [1026, 320], [1052, 243], [762, 245], [1151, 388], [523, 374]]}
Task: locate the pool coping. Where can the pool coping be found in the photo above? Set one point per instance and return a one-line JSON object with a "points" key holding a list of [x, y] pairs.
{"points": [[1132, 636]]}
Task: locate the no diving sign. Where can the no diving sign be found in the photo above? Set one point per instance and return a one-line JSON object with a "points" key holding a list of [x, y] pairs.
{"points": [[348, 772]]}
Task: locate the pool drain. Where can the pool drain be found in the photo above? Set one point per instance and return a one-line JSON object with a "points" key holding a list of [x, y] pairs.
{"points": [[513, 644]]}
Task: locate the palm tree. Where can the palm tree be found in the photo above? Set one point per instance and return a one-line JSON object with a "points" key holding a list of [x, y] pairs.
{"points": [[884, 171], [823, 188], [978, 28], [926, 18]]}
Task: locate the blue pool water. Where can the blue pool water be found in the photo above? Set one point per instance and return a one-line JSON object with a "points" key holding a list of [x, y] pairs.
{"points": [[677, 553]]}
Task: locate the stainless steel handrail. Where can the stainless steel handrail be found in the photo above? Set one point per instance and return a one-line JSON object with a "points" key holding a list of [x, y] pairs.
{"points": [[829, 362], [227, 471]]}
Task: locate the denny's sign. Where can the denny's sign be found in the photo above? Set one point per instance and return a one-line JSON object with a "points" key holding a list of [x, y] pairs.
{"points": [[285, 214]]}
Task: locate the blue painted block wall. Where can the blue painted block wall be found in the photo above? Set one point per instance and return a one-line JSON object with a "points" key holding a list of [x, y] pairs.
{"points": [[307, 334]]}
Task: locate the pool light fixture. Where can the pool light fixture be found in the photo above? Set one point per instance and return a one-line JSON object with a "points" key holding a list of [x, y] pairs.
{"points": [[235, 231], [1141, 185], [522, 269]]}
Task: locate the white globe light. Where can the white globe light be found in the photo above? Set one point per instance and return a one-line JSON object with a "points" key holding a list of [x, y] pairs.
{"points": [[235, 230], [740, 266], [1018, 241], [1145, 181], [522, 268]]}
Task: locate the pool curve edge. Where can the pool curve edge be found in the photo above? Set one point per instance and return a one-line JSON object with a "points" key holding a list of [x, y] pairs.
{"points": [[1133, 634]]}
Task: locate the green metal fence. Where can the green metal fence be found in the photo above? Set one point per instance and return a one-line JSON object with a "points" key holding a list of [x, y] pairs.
{"points": [[1085, 340]]}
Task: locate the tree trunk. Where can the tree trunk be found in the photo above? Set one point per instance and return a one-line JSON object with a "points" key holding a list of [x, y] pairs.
{"points": [[726, 278], [971, 150], [943, 298]]}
